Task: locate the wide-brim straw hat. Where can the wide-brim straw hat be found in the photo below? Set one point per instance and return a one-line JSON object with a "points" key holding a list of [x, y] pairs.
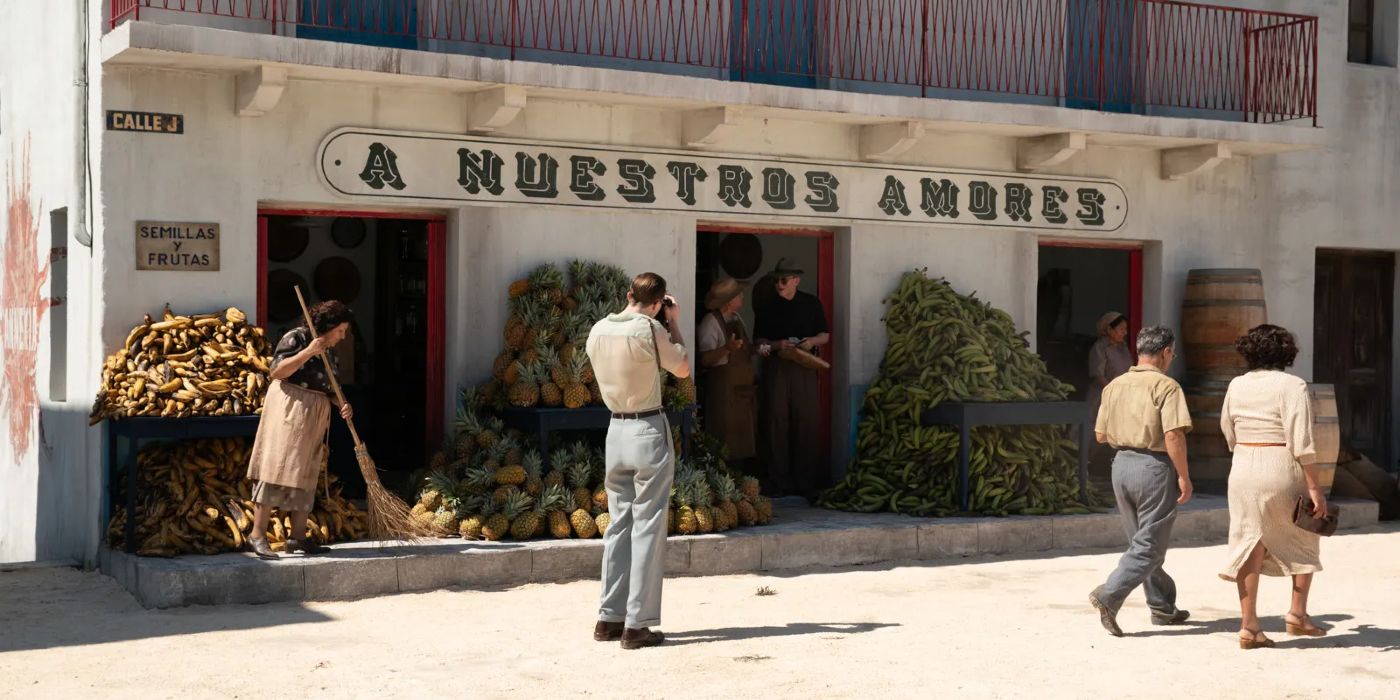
{"points": [[722, 292], [1107, 320]]}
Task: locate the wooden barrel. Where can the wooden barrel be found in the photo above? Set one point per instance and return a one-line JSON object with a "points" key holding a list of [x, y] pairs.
{"points": [[1205, 441], [1219, 306], [1326, 433]]}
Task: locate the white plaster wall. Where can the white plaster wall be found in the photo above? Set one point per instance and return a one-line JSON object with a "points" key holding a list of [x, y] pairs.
{"points": [[49, 488]]}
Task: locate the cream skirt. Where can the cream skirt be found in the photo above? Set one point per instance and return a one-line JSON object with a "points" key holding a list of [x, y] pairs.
{"points": [[1265, 483]]}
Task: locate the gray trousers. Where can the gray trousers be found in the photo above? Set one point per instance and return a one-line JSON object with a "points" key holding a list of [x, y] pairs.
{"points": [[640, 468], [1146, 489]]}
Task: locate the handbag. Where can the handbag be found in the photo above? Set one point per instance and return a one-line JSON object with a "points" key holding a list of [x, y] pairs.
{"points": [[1303, 517]]}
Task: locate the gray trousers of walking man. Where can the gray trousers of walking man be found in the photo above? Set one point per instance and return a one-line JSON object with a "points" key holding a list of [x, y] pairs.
{"points": [[640, 467], [1146, 488]]}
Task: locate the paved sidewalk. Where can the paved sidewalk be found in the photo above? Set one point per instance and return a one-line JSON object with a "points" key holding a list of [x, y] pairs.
{"points": [[976, 627]]}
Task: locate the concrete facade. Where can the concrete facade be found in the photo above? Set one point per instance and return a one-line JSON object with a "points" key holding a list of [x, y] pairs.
{"points": [[1295, 189]]}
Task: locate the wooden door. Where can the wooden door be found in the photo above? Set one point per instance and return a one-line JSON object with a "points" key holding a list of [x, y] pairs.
{"points": [[1352, 341]]}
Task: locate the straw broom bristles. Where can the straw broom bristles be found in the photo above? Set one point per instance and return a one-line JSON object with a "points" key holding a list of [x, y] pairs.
{"points": [[389, 517]]}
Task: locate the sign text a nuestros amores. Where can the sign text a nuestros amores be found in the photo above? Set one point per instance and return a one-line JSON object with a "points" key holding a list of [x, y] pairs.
{"points": [[396, 166]]}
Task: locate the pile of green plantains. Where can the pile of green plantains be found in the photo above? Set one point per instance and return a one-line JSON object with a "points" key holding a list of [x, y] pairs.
{"points": [[944, 346]]}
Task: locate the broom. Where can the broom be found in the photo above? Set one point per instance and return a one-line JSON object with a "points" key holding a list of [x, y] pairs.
{"points": [[389, 517]]}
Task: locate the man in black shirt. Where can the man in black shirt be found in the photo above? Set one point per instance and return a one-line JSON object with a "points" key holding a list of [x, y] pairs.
{"points": [[790, 320]]}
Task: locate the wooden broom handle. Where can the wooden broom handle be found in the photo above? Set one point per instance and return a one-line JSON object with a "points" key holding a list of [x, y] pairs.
{"points": [[325, 361]]}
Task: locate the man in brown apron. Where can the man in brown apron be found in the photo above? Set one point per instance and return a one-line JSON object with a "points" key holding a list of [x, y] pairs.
{"points": [[730, 400], [791, 320]]}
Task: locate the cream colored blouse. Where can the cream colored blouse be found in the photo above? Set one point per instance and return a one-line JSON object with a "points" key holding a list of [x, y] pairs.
{"points": [[1268, 406]]}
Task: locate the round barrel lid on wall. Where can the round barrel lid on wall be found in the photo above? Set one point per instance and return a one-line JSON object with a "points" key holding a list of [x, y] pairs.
{"points": [[285, 242], [740, 255], [337, 278], [282, 304], [348, 233]]}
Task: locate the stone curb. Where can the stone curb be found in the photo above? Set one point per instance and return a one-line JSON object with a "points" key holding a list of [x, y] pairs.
{"points": [[801, 538]]}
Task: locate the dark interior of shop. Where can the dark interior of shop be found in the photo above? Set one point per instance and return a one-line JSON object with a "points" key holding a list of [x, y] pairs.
{"points": [[1076, 286], [378, 267]]}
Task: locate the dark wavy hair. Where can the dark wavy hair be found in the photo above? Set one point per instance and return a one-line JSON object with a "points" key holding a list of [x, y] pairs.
{"points": [[1267, 347], [329, 314]]}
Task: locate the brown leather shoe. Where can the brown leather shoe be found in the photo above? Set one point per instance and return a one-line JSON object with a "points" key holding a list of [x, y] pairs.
{"points": [[607, 631], [306, 547], [262, 549], [638, 639]]}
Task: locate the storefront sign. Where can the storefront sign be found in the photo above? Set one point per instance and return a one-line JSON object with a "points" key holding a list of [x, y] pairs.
{"points": [[152, 122], [175, 246], [397, 166]]}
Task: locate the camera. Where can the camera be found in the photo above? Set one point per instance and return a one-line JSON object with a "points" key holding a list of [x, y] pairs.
{"points": [[661, 313]]}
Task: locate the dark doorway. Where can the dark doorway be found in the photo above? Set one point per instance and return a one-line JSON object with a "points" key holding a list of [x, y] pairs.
{"points": [[1076, 286], [1352, 345], [749, 254], [380, 268]]}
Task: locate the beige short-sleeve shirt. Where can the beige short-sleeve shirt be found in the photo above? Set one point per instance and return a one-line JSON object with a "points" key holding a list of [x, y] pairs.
{"points": [[628, 352], [1140, 407]]}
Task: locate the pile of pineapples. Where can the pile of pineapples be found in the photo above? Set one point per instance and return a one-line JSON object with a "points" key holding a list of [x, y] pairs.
{"points": [[487, 485], [543, 362]]}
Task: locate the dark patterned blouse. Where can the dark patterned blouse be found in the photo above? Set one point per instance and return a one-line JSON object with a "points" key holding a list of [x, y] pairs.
{"points": [[311, 375]]}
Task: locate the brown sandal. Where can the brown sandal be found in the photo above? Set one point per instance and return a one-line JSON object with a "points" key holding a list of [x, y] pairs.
{"points": [[1255, 640], [1305, 627]]}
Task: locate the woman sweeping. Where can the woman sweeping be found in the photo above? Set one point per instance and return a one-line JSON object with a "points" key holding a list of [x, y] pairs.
{"points": [[291, 441]]}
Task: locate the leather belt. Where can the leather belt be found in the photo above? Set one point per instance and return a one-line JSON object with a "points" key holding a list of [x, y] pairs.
{"points": [[1263, 444], [1149, 453], [641, 414]]}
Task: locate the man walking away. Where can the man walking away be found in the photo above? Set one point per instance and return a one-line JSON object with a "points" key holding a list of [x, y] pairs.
{"points": [[626, 350], [1143, 416]]}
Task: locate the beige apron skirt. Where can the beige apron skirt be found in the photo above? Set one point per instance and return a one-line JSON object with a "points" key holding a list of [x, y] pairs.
{"points": [[290, 446]]}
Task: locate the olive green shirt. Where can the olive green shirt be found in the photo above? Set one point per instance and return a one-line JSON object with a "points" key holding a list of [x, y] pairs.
{"points": [[1140, 407]]}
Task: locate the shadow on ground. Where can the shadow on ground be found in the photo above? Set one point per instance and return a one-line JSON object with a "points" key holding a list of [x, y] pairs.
{"points": [[734, 634]]}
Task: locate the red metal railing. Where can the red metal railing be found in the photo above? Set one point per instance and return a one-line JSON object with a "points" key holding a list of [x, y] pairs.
{"points": [[1117, 55]]}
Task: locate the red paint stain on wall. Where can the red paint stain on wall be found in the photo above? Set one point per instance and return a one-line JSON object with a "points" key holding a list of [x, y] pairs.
{"points": [[22, 304]]}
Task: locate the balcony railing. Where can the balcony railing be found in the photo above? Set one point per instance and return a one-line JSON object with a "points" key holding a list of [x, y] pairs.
{"points": [[1141, 56]]}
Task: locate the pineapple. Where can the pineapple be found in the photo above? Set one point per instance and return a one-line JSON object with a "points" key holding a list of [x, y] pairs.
{"points": [[518, 288], [445, 521], [478, 481], [525, 392], [726, 491], [686, 386], [558, 464], [584, 525], [686, 523], [470, 527], [546, 282], [511, 473], [503, 494], [418, 509], [531, 515], [436, 487], [551, 395], [575, 390], [600, 497], [747, 515], [541, 342], [595, 393], [502, 363], [750, 488], [497, 523], [533, 465], [515, 454], [579, 476], [556, 498], [490, 432], [704, 518], [603, 520], [671, 521], [438, 463], [424, 518], [764, 508], [522, 314], [494, 457]]}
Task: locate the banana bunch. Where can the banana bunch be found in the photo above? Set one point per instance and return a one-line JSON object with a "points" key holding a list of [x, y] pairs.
{"points": [[205, 365], [944, 346], [194, 500]]}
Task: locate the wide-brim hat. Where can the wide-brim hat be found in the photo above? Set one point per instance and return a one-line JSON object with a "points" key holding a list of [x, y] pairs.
{"points": [[722, 292], [787, 268], [1107, 320]]}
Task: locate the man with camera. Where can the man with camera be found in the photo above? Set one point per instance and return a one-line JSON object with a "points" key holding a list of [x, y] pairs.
{"points": [[627, 349], [790, 320]]}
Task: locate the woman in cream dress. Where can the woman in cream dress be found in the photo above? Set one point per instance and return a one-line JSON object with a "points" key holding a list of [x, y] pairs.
{"points": [[1267, 421]]}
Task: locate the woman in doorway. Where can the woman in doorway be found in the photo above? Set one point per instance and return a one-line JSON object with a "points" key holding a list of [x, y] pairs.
{"points": [[1110, 356], [291, 440], [1267, 421], [731, 400]]}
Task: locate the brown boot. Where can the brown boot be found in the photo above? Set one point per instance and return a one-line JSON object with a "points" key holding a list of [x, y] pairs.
{"points": [[638, 639], [262, 549], [306, 547], [607, 631]]}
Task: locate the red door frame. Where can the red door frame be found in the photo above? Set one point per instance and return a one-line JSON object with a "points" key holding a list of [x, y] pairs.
{"points": [[826, 294], [437, 293], [1134, 251]]}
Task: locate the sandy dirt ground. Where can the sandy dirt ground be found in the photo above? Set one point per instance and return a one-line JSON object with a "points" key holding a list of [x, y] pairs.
{"points": [[972, 628]]}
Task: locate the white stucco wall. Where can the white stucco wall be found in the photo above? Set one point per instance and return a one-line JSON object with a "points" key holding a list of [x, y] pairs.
{"points": [[48, 459]]}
